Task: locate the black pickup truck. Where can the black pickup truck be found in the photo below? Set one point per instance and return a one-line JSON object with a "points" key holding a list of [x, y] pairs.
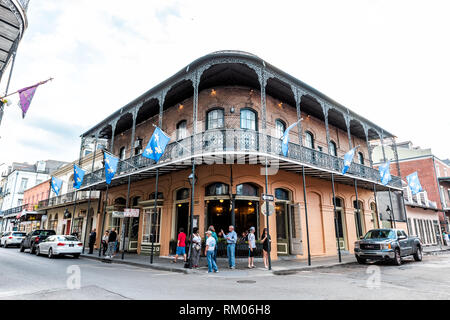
{"points": [[34, 238]]}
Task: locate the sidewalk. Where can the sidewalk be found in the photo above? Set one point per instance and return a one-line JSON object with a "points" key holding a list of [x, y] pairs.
{"points": [[430, 250], [280, 267]]}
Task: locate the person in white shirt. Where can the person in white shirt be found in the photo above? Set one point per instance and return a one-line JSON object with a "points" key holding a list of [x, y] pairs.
{"points": [[209, 252], [251, 248]]}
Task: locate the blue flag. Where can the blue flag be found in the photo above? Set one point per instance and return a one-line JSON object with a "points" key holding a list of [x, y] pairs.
{"points": [[414, 183], [78, 175], [110, 166], [385, 173], [56, 185], [157, 145], [348, 159], [285, 140]]}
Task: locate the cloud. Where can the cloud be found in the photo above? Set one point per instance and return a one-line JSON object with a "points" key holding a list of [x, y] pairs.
{"points": [[385, 60]]}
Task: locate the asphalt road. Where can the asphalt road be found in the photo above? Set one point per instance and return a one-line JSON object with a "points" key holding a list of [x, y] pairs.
{"points": [[25, 276]]}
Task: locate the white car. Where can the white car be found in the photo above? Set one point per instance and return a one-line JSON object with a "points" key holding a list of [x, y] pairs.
{"points": [[12, 238], [59, 246]]}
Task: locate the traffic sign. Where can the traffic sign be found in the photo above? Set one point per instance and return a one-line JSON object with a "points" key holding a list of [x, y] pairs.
{"points": [[271, 208], [268, 197]]}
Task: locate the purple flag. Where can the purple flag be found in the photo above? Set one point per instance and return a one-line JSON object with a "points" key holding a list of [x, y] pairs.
{"points": [[26, 95]]}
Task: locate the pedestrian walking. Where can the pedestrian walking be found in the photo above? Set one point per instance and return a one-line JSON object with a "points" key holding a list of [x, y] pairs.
{"points": [[251, 248], [181, 246], [231, 246], [214, 234], [209, 252], [92, 239], [104, 245], [112, 238], [265, 239], [196, 247]]}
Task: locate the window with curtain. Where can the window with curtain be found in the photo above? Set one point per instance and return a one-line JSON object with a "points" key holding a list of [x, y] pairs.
{"points": [[309, 140], [333, 148], [215, 119], [248, 119], [280, 128], [360, 158], [182, 130]]}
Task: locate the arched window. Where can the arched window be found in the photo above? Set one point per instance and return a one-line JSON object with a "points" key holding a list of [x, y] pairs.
{"points": [[282, 194], [333, 148], [182, 130], [309, 140], [122, 153], [246, 189], [248, 119], [182, 194], [135, 201], [360, 158], [280, 128], [339, 202], [120, 201], [215, 119], [217, 189], [152, 196]]}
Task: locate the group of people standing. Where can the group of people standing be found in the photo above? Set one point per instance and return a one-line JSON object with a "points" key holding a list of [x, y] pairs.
{"points": [[109, 243], [212, 241]]}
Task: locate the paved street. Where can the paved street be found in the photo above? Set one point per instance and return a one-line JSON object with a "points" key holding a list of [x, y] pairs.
{"points": [[25, 276]]}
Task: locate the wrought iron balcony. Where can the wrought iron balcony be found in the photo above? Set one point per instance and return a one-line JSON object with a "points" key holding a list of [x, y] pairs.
{"points": [[218, 143], [12, 211], [66, 199], [24, 4]]}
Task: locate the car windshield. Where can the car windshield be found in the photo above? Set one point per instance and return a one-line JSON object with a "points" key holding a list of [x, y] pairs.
{"points": [[19, 234], [380, 234], [67, 238], [46, 233]]}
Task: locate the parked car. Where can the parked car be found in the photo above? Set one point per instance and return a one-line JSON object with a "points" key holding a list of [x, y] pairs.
{"points": [[11, 238], [387, 244], [59, 246], [33, 238]]}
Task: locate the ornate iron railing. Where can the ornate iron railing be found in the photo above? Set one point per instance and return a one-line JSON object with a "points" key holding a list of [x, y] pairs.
{"points": [[67, 198], [11, 211], [238, 141], [24, 4]]}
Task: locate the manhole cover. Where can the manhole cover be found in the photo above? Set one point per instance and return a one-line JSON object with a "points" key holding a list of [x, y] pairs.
{"points": [[246, 281]]}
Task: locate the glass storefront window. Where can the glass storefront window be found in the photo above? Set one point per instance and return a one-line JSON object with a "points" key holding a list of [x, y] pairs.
{"points": [[153, 219], [217, 189]]}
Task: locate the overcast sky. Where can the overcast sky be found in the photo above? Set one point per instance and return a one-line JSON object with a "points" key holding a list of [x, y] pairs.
{"points": [[389, 61]]}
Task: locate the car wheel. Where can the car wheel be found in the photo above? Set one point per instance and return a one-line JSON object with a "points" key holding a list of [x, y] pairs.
{"points": [[418, 255], [50, 253], [22, 249], [397, 258], [32, 249], [360, 260], [38, 251], [76, 255]]}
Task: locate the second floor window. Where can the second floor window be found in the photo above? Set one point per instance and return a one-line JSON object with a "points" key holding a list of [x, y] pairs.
{"points": [[280, 128], [248, 119], [333, 148], [23, 184], [360, 158], [215, 119], [309, 140], [122, 153], [182, 130]]}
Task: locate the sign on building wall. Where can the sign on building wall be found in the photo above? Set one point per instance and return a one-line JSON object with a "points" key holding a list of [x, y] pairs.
{"points": [[131, 213]]}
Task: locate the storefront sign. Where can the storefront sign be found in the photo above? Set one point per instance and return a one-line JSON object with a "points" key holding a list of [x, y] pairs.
{"points": [[117, 214], [131, 213], [268, 197]]}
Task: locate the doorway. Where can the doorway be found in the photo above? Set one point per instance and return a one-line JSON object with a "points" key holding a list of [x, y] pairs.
{"points": [[218, 213], [340, 224], [182, 217]]}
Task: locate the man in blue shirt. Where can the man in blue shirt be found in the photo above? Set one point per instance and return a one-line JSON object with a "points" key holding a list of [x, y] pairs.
{"points": [[209, 252], [231, 246]]}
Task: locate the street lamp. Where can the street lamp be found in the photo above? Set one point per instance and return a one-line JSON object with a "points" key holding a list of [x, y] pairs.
{"points": [[192, 179]]}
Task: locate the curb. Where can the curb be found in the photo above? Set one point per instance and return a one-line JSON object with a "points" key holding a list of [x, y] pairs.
{"points": [[140, 265], [295, 270]]}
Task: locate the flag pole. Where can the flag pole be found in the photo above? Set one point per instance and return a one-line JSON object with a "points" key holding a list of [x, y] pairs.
{"points": [[37, 84], [152, 236], [267, 215]]}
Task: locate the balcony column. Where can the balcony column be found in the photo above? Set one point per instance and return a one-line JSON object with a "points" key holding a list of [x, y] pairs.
{"points": [[369, 149], [113, 134], [133, 132], [349, 135], [400, 176], [325, 109], [298, 99], [382, 145]]}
